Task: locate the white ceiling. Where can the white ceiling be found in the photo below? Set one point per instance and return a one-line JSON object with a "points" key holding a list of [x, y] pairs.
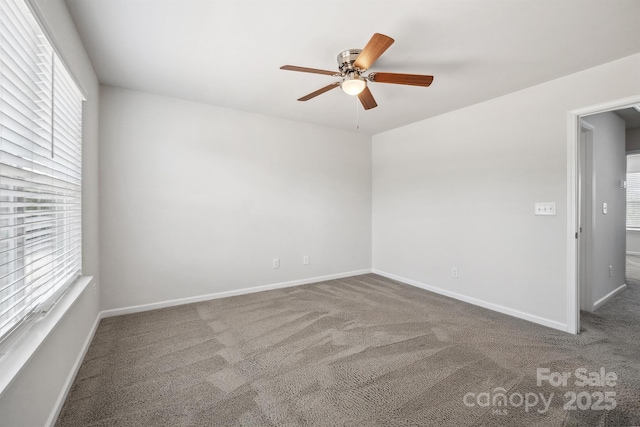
{"points": [[228, 53]]}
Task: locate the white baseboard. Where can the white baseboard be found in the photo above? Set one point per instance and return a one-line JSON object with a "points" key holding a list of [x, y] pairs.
{"points": [[225, 294], [53, 417], [607, 297], [475, 301]]}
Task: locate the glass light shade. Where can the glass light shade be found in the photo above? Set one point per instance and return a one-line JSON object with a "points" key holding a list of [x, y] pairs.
{"points": [[353, 85]]}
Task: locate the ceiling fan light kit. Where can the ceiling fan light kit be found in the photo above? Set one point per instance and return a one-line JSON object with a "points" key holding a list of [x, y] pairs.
{"points": [[352, 63], [353, 83]]}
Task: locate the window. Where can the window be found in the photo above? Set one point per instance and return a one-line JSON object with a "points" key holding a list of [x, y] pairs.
{"points": [[633, 200], [40, 170]]}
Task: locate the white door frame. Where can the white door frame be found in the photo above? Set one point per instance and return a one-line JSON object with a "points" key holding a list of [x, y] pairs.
{"points": [[586, 212], [573, 201]]}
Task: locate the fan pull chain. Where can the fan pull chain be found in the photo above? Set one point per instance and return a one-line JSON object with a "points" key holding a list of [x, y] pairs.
{"points": [[357, 114]]}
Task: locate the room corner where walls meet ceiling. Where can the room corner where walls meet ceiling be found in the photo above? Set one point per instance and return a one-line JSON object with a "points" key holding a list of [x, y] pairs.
{"points": [[228, 53]]}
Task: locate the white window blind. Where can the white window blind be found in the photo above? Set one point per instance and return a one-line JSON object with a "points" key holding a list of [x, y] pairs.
{"points": [[40, 169], [633, 200]]}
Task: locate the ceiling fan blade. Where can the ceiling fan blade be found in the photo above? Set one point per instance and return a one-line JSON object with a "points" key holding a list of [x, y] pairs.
{"points": [[309, 70], [320, 91], [366, 98], [372, 51], [401, 79]]}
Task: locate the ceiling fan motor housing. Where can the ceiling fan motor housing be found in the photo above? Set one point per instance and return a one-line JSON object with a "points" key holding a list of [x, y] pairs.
{"points": [[346, 58]]}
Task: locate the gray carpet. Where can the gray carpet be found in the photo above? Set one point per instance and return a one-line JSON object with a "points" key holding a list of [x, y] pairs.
{"points": [[363, 351]]}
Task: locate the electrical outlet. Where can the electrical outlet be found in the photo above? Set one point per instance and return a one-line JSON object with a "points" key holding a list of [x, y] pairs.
{"points": [[276, 263], [454, 272], [305, 260], [611, 271]]}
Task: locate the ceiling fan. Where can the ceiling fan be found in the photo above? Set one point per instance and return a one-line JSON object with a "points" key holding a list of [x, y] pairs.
{"points": [[352, 64]]}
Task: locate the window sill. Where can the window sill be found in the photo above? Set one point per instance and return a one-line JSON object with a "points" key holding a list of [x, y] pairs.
{"points": [[17, 353]]}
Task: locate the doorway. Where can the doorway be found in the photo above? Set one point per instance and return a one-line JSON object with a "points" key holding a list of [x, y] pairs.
{"points": [[584, 212]]}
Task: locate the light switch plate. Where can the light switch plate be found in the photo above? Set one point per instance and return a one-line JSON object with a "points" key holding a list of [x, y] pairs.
{"points": [[545, 208]]}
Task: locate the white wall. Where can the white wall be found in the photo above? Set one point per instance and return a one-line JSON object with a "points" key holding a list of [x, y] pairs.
{"points": [[633, 242], [33, 394], [459, 190], [609, 230], [633, 160], [37, 393], [198, 199]]}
